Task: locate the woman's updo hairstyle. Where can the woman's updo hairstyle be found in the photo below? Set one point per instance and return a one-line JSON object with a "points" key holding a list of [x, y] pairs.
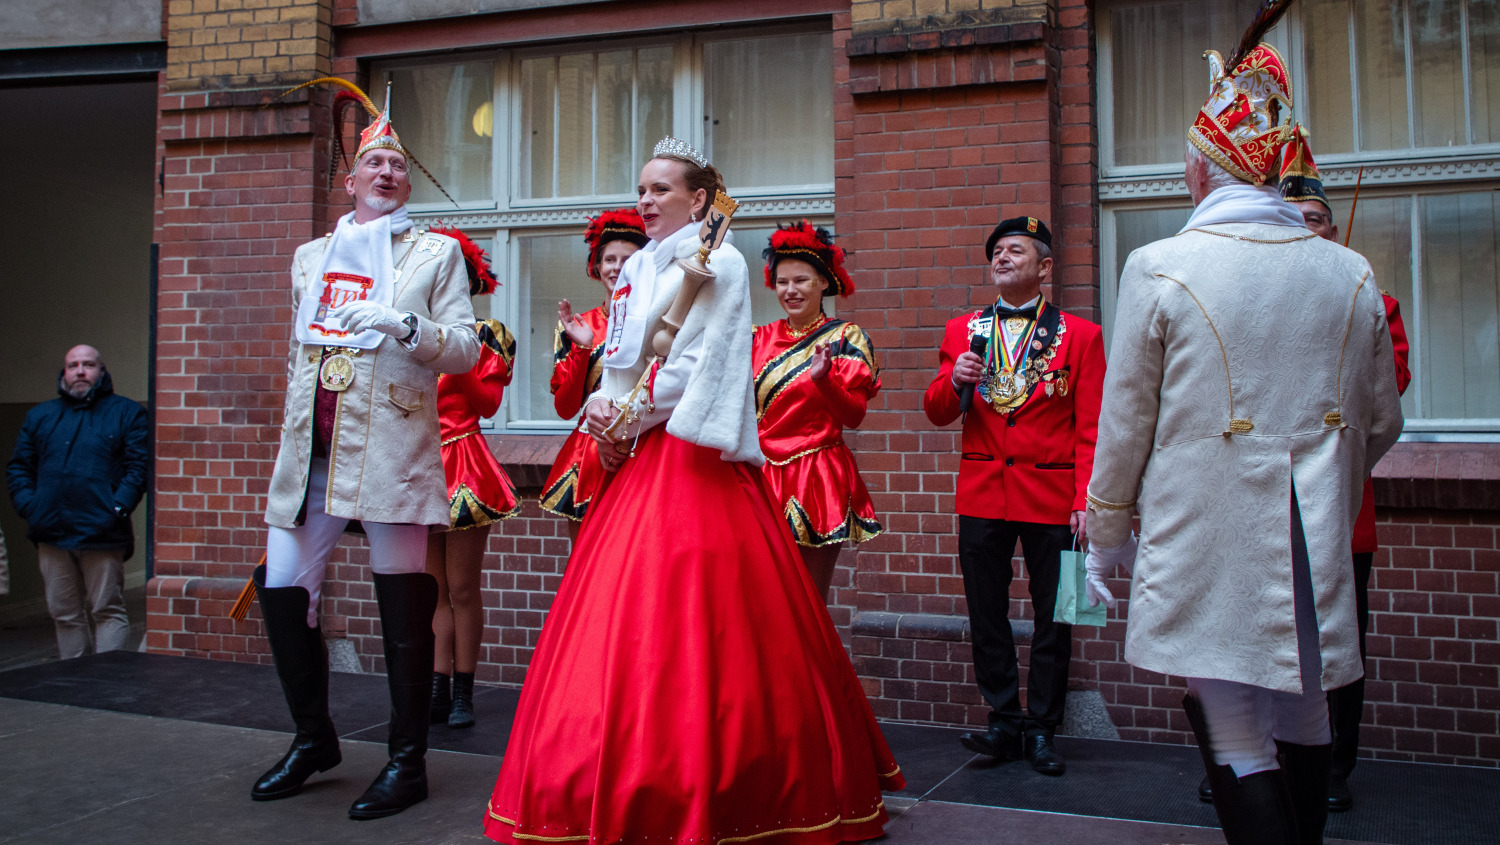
{"points": [[696, 170]]}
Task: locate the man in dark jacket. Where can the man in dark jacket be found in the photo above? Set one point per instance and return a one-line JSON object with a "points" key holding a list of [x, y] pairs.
{"points": [[78, 470]]}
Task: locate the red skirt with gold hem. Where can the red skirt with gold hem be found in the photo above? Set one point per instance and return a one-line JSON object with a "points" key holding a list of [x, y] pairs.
{"points": [[823, 498], [479, 491], [688, 685], [576, 478]]}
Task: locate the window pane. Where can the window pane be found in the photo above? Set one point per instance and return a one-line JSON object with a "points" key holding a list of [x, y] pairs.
{"points": [[653, 105], [1382, 234], [575, 125], [1326, 95], [1160, 78], [538, 89], [616, 163], [1381, 37], [1461, 361], [552, 268], [445, 116], [1437, 62], [769, 109], [1484, 69], [1133, 230]]}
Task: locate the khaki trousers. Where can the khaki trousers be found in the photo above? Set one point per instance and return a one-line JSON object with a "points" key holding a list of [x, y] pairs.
{"points": [[80, 585]]}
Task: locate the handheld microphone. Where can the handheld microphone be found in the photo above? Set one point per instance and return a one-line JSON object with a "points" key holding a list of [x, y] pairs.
{"points": [[966, 399]]}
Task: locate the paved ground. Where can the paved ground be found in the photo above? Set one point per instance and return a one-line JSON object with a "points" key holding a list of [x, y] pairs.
{"points": [[133, 749]]}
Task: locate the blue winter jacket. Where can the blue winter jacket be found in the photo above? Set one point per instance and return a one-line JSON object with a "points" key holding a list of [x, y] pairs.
{"points": [[79, 469]]}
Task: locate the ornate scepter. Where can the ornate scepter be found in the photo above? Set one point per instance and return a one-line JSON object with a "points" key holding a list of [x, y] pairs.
{"points": [[695, 273]]}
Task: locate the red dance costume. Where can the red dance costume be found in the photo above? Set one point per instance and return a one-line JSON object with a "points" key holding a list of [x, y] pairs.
{"points": [[577, 475], [479, 491], [811, 473]]}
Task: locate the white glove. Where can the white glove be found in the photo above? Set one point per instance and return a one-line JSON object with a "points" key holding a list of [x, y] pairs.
{"points": [[364, 314], [1101, 563]]}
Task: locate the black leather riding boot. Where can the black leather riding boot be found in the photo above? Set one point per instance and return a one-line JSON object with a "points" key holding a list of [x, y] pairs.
{"points": [[406, 605], [302, 666], [442, 699], [1252, 810], [1307, 768]]}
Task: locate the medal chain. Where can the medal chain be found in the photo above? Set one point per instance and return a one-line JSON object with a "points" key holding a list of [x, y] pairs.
{"points": [[1003, 361]]}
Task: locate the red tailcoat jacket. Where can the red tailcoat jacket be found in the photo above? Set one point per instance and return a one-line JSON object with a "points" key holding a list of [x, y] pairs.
{"points": [[1364, 523], [1032, 462]]}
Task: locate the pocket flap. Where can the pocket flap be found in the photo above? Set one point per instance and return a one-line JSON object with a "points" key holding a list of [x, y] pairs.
{"points": [[406, 398]]}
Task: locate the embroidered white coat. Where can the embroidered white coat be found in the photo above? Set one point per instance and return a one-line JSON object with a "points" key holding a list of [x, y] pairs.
{"points": [[1291, 337], [386, 464]]}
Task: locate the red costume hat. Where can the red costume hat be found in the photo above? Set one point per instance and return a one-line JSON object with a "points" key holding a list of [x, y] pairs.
{"points": [[481, 281], [622, 224], [1240, 127], [1300, 180], [800, 241]]}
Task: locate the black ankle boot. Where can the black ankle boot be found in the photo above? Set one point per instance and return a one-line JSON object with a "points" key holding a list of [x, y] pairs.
{"points": [[1307, 768], [302, 666], [462, 714], [406, 606], [442, 701], [1253, 810]]}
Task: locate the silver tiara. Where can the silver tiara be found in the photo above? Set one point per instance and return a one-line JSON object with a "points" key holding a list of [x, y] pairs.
{"points": [[670, 146]]}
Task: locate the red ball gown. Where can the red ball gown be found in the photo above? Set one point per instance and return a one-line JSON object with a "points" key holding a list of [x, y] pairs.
{"points": [[688, 685], [812, 474], [576, 475], [479, 491]]}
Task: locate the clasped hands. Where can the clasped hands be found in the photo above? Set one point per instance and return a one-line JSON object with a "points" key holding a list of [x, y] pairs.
{"points": [[1101, 564], [598, 415]]}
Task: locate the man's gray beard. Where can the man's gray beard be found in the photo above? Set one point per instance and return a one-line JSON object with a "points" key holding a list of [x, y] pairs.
{"points": [[79, 390], [384, 205]]}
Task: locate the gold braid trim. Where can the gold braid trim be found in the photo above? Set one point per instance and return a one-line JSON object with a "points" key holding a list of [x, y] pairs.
{"points": [[1235, 426], [1108, 506], [459, 437], [879, 808]]}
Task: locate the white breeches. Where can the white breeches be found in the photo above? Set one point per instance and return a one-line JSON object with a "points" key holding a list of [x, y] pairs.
{"points": [[1245, 721], [298, 557]]}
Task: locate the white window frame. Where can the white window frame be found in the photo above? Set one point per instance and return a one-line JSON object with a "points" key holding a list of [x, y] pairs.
{"points": [[1386, 173]]}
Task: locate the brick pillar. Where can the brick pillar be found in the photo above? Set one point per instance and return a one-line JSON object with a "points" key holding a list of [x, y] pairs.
{"points": [[955, 114], [242, 185]]}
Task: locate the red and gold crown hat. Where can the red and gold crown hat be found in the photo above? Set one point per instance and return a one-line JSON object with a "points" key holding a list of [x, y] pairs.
{"points": [[802, 242], [1241, 126], [622, 224], [1300, 180], [380, 135], [481, 280]]}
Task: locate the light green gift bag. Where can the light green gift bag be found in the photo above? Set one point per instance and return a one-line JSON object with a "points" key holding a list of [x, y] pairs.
{"points": [[1072, 607]]}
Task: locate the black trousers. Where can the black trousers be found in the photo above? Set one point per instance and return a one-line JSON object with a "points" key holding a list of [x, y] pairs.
{"points": [[1346, 705], [985, 548]]}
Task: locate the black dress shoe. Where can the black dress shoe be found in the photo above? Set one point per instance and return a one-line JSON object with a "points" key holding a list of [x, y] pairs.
{"points": [[285, 779], [1042, 756], [993, 742], [399, 785], [1206, 790], [1340, 799]]}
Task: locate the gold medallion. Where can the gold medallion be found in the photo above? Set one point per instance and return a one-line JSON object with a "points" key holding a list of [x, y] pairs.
{"points": [[1015, 325], [337, 372]]}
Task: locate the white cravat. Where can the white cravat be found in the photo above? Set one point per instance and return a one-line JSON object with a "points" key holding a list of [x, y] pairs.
{"points": [[358, 250]]}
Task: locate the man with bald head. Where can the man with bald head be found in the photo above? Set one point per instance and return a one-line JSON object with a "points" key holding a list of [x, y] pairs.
{"points": [[78, 470]]}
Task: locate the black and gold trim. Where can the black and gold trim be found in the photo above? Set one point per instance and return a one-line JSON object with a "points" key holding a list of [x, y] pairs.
{"points": [[854, 529], [844, 340], [494, 334], [559, 498], [465, 510]]}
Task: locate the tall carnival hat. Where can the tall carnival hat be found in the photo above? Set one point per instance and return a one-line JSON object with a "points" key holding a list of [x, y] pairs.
{"points": [[622, 224], [379, 135], [482, 281], [1241, 126], [1300, 180], [801, 242]]}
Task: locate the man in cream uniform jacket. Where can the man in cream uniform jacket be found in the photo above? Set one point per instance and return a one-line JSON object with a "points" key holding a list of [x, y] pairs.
{"points": [[1250, 391], [381, 311]]}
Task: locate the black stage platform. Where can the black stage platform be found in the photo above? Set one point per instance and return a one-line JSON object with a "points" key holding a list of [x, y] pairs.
{"points": [[1398, 803]]}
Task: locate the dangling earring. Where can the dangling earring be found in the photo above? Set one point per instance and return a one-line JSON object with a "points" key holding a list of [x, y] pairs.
{"points": [[693, 217]]}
